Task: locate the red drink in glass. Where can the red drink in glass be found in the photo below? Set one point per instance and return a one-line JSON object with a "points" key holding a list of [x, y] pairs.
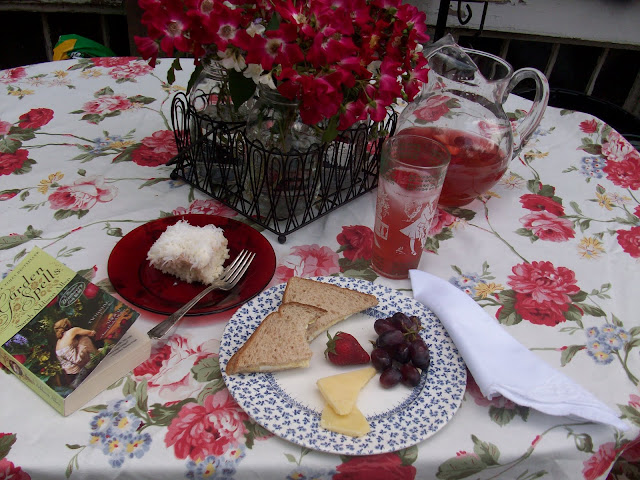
{"points": [[477, 163], [411, 176]]}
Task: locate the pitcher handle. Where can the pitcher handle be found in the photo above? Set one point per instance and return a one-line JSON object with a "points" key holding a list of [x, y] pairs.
{"points": [[528, 125]]}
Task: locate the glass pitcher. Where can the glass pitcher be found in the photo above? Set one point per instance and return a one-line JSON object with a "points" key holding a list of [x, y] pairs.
{"points": [[462, 107]]}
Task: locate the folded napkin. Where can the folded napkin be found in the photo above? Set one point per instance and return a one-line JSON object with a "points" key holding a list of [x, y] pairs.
{"points": [[500, 364]]}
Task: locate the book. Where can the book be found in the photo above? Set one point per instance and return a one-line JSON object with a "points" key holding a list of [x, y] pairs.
{"points": [[63, 336]]}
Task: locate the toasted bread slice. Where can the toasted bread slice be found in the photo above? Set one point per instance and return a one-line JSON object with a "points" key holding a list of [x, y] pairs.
{"points": [[339, 302], [279, 342]]}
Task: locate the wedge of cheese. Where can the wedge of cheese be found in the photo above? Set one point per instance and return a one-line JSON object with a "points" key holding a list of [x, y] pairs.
{"points": [[341, 391], [353, 424]]}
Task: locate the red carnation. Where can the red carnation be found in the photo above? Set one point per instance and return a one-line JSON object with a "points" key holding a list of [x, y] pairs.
{"points": [[532, 201], [629, 240], [357, 242], [36, 118], [625, 173], [375, 467]]}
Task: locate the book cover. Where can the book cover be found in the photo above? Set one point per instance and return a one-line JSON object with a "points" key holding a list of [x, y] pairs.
{"points": [[63, 336]]}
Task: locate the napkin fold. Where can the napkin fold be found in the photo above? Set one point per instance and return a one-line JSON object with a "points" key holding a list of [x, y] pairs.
{"points": [[499, 363]]}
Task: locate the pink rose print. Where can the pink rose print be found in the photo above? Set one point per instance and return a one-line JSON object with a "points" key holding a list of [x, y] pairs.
{"points": [[107, 104], [547, 226], [168, 370], [130, 70], [535, 202], [9, 471], [616, 147], [434, 108], [156, 149], [10, 162], [543, 282], [540, 313], [210, 429], [636, 212], [629, 240], [600, 462], [4, 127], [36, 118], [589, 126], [12, 75], [109, 62], [209, 207], [83, 194], [625, 173], [308, 261], [440, 220], [375, 467], [356, 241], [480, 399]]}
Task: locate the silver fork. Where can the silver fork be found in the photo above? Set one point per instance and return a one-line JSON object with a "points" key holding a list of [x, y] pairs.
{"points": [[228, 279]]}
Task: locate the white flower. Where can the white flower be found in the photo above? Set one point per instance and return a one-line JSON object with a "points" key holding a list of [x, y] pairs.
{"points": [[255, 28], [230, 59], [254, 72]]}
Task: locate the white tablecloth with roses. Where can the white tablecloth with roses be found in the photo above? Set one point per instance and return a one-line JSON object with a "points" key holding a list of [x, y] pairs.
{"points": [[552, 252]]}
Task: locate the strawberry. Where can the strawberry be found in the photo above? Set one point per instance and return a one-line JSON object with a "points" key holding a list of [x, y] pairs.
{"points": [[344, 349]]}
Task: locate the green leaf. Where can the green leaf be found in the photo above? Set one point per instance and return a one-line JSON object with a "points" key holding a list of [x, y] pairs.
{"points": [[502, 416], [153, 181], [194, 76], [291, 458], [525, 232], [209, 389], [568, 353], [140, 99], [92, 118], [573, 314], [75, 446], [408, 455], [488, 452], [93, 409], [579, 297], [463, 213], [206, 370], [129, 387], [6, 442], [591, 310], [576, 207], [141, 396], [104, 91], [594, 149], [241, 88], [162, 415], [630, 414], [460, 467]]}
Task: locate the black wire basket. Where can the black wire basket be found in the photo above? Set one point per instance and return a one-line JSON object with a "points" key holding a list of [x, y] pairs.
{"points": [[282, 192]]}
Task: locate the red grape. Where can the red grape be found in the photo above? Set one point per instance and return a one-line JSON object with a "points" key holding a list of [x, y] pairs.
{"points": [[390, 377], [382, 325], [401, 353], [380, 359], [410, 375], [390, 338]]}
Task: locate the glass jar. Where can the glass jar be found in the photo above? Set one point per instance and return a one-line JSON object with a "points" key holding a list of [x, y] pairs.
{"points": [[210, 94], [275, 122]]}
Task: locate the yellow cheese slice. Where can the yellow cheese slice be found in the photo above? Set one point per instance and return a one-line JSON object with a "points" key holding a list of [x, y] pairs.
{"points": [[353, 424], [341, 391]]}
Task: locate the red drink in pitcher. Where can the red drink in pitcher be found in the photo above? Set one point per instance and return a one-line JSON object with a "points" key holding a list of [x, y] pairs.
{"points": [[477, 163]]}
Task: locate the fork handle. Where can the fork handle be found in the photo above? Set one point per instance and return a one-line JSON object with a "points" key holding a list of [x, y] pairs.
{"points": [[162, 329]]}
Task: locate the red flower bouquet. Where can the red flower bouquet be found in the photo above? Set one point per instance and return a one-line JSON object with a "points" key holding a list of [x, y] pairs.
{"points": [[342, 60]]}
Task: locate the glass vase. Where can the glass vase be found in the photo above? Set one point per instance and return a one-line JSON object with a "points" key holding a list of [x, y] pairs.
{"points": [[283, 156]]}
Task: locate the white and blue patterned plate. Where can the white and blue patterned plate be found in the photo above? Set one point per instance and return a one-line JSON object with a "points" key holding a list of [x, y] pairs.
{"points": [[289, 403]]}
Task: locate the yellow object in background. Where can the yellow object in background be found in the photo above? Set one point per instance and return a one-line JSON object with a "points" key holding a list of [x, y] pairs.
{"points": [[76, 46]]}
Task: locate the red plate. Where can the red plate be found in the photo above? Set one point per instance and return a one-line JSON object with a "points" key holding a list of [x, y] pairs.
{"points": [[147, 287]]}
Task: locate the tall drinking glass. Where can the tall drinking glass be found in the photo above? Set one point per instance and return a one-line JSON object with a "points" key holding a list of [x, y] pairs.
{"points": [[412, 171]]}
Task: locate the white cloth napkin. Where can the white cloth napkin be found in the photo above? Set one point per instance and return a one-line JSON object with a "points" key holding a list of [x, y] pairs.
{"points": [[500, 364]]}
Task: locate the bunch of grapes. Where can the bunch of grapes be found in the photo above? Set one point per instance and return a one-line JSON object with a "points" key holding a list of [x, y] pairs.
{"points": [[399, 351]]}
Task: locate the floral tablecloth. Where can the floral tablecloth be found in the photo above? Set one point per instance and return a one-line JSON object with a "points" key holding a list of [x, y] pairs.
{"points": [[552, 252]]}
